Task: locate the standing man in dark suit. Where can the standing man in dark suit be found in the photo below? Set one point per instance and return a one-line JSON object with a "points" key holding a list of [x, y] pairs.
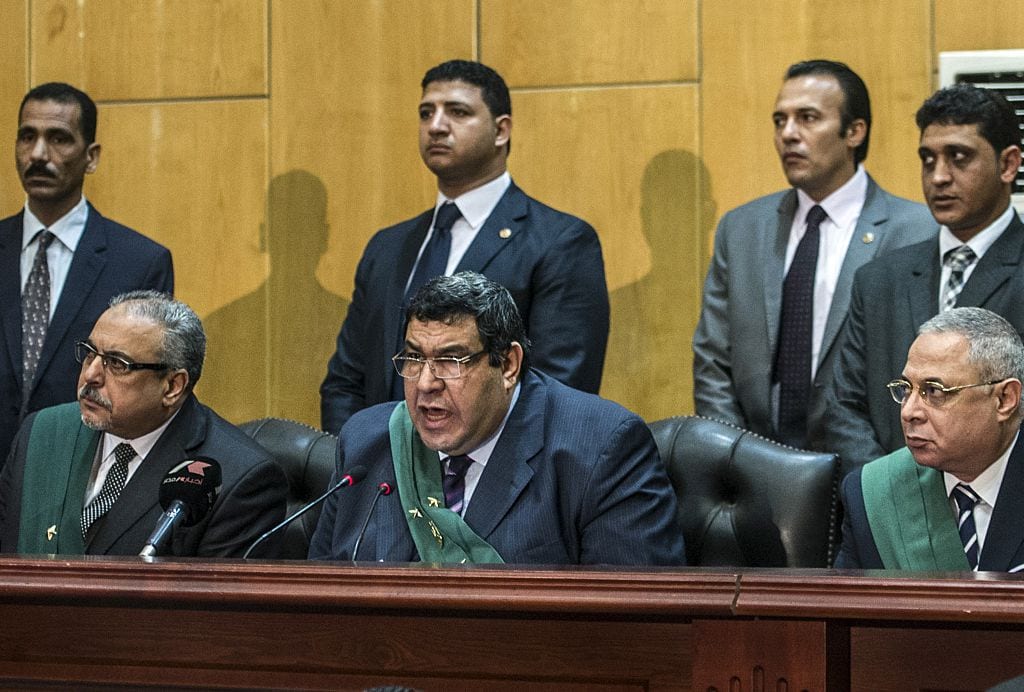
{"points": [[60, 261], [85, 477], [953, 498], [551, 262], [970, 154], [495, 462], [773, 304]]}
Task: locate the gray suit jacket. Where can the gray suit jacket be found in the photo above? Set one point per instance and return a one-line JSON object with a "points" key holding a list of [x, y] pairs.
{"points": [[891, 298], [736, 338]]}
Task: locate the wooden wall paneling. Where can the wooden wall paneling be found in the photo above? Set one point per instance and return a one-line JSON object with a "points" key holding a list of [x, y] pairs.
{"points": [[625, 159], [193, 176], [535, 43], [978, 24], [344, 146], [152, 49], [13, 85], [746, 48]]}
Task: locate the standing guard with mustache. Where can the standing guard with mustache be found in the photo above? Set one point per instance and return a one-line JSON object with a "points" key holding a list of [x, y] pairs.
{"points": [[85, 477], [550, 261], [970, 150], [494, 461], [60, 261], [774, 304]]}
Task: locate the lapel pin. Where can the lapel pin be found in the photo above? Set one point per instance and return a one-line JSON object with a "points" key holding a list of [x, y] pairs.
{"points": [[51, 532], [868, 238], [505, 233]]}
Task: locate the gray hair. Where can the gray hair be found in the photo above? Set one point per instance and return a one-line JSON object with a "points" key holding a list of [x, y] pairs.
{"points": [[993, 344], [184, 343]]}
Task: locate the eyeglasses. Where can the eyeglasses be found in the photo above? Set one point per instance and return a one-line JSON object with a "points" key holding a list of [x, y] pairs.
{"points": [[933, 393], [443, 367], [115, 365]]}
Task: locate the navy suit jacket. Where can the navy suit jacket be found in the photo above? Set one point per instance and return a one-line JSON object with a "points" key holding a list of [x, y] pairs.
{"points": [[1003, 550], [573, 479], [110, 259], [549, 261], [892, 297], [252, 498]]}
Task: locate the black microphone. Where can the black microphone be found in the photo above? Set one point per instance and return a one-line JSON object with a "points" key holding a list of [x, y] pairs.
{"points": [[187, 493], [350, 477], [383, 489]]}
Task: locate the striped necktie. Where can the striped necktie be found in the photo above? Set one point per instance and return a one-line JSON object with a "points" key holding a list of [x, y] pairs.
{"points": [[455, 482], [965, 499]]}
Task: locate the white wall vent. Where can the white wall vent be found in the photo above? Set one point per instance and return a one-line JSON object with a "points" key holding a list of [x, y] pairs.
{"points": [[1001, 70]]}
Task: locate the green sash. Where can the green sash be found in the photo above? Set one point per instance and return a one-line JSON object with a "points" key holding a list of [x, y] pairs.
{"points": [[440, 535], [57, 466], [909, 514]]}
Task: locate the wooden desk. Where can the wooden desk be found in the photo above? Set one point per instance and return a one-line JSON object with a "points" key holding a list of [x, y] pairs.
{"points": [[107, 623]]}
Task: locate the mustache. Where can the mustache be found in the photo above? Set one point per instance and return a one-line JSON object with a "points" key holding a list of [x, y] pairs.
{"points": [[38, 168], [89, 393]]}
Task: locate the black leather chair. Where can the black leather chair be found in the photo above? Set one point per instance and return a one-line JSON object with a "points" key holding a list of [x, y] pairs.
{"points": [[307, 457], [746, 501]]}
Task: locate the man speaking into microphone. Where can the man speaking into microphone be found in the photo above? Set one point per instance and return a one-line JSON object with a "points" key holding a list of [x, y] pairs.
{"points": [[86, 477]]}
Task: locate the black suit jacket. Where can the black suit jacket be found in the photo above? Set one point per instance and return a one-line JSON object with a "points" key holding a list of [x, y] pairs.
{"points": [[573, 479], [549, 261], [110, 259], [1004, 542], [893, 296], [252, 497]]}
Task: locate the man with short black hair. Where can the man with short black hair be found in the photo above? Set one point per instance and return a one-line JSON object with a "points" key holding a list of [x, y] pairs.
{"points": [[550, 261], [60, 260], [494, 461], [970, 155], [953, 498]]}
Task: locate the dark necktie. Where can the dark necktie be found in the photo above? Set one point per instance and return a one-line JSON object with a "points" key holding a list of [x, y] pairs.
{"points": [[793, 358], [965, 499], [455, 481], [958, 259], [434, 259], [35, 312], [113, 484]]}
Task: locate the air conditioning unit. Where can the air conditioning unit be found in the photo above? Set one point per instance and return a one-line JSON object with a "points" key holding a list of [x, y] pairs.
{"points": [[1000, 70]]}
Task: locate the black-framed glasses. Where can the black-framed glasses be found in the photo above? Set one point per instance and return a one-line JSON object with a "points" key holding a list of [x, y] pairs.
{"points": [[115, 365], [933, 393], [443, 367]]}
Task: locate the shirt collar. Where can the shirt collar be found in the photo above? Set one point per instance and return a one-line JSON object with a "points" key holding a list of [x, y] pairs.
{"points": [[142, 445], [844, 205], [477, 204], [986, 485], [482, 454], [982, 240], [68, 229]]}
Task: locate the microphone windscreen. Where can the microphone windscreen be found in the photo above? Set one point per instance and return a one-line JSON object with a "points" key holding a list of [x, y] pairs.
{"points": [[356, 473], [195, 483]]}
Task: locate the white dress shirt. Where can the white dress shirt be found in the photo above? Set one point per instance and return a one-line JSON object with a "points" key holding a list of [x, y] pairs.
{"points": [[68, 230], [980, 244], [105, 457], [986, 485]]}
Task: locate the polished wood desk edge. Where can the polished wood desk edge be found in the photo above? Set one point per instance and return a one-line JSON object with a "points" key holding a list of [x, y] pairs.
{"points": [[657, 593]]}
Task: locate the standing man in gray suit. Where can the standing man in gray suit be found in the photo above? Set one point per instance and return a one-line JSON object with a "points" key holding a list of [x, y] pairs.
{"points": [[773, 305], [970, 154]]}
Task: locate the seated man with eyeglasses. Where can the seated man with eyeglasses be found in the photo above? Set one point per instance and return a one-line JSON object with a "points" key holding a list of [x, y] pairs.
{"points": [[953, 498], [493, 461], [86, 477]]}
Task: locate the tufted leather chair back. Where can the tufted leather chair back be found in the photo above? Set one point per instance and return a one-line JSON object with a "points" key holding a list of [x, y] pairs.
{"points": [[746, 501], [307, 457]]}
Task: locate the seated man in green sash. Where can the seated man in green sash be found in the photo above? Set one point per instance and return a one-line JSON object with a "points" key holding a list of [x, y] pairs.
{"points": [[86, 477], [494, 462], [953, 498]]}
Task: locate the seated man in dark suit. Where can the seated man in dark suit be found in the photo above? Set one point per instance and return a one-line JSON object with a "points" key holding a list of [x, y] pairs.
{"points": [[61, 261], [481, 221], [85, 477], [495, 462], [953, 498]]}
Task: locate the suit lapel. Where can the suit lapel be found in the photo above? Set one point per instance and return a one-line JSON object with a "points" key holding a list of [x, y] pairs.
{"points": [[509, 468], [773, 249], [1004, 542], [922, 286], [997, 266], [86, 267], [10, 285], [141, 494], [508, 215]]}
